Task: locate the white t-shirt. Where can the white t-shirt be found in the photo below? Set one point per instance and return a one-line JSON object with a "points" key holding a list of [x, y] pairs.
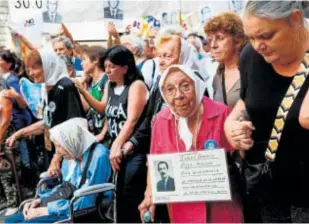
{"points": [[211, 67], [149, 72]]}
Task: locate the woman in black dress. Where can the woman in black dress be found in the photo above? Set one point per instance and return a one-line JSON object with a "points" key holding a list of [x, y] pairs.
{"points": [[274, 83], [124, 102]]}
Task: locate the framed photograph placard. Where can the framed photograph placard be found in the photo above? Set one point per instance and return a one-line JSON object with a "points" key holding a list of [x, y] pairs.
{"points": [[189, 176]]}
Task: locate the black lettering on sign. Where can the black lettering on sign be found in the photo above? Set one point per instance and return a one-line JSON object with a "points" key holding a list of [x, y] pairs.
{"points": [[38, 4], [18, 4], [26, 4]]}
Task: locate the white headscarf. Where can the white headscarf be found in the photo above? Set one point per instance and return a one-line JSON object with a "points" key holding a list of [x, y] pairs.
{"points": [[200, 86], [73, 135], [53, 66], [189, 57]]}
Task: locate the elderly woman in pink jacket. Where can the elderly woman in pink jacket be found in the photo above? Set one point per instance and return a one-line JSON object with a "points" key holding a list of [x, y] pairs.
{"points": [[189, 121]]}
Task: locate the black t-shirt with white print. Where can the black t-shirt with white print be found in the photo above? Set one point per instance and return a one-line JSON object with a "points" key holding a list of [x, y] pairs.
{"points": [[63, 103]]}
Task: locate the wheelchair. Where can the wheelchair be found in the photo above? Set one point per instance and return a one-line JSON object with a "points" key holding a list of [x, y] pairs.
{"points": [[8, 162], [101, 212]]}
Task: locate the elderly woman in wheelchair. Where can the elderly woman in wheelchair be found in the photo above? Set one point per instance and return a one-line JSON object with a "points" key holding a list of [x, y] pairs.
{"points": [[85, 172]]}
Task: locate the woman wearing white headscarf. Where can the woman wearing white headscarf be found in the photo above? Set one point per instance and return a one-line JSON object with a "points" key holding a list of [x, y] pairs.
{"points": [[171, 50], [189, 121], [73, 142], [62, 100]]}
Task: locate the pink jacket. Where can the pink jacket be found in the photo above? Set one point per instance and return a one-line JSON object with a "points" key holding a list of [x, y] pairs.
{"points": [[164, 141]]}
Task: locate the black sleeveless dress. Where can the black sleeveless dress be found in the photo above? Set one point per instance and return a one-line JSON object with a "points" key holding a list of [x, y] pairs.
{"points": [[131, 183]]}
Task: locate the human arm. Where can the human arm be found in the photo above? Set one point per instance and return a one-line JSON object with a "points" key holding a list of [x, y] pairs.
{"points": [[77, 50], [27, 43], [23, 40], [238, 133], [30, 205], [238, 129], [6, 115], [55, 165], [141, 136], [84, 82], [147, 204], [137, 100], [304, 113], [98, 106], [84, 103], [112, 33], [100, 137], [63, 31], [34, 129], [12, 94], [33, 213], [109, 41]]}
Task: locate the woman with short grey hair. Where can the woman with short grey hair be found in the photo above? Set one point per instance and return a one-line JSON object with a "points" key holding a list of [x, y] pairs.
{"points": [[67, 44], [63, 46], [267, 120], [137, 45]]}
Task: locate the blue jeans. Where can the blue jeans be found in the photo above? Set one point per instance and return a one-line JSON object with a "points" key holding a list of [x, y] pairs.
{"points": [[19, 218]]}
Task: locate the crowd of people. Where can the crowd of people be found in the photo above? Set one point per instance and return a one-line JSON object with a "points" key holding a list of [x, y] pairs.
{"points": [[244, 84]]}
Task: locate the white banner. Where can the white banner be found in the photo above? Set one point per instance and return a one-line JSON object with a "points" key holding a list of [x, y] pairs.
{"points": [[87, 19]]}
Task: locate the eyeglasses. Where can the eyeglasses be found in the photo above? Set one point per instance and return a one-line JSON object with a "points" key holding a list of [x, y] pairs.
{"points": [[184, 88]]}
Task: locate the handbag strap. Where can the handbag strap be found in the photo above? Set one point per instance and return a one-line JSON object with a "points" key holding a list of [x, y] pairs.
{"points": [[283, 110], [223, 88], [84, 175]]}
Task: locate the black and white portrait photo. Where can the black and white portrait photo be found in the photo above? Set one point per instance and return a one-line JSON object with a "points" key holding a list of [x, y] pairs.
{"points": [[164, 19], [51, 14], [236, 5], [112, 9], [205, 14], [164, 174]]}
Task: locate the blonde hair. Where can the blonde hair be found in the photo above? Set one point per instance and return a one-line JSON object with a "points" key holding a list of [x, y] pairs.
{"points": [[168, 31]]}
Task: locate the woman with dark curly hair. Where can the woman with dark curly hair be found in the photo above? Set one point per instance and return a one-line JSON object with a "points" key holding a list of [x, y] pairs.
{"points": [[226, 36]]}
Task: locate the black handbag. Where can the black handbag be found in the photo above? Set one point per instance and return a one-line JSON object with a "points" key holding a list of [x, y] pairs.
{"points": [[254, 176]]}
